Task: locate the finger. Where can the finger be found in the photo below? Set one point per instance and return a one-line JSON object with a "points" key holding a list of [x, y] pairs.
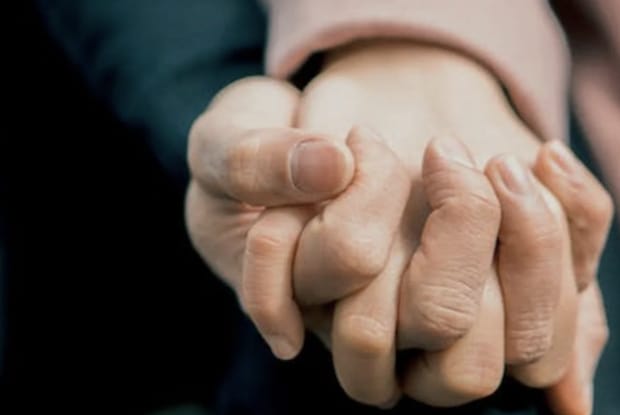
{"points": [[569, 396], [217, 226], [242, 148], [573, 394], [363, 337], [348, 244], [587, 204], [470, 369], [441, 290], [267, 288], [551, 367], [529, 255]]}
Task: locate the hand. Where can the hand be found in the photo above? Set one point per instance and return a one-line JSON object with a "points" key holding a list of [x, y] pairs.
{"points": [[244, 156], [589, 210], [198, 213], [409, 105], [408, 94]]}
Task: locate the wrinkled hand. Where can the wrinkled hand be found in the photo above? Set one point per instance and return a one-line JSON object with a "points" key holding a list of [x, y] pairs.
{"points": [[244, 157], [589, 210], [230, 166], [417, 93]]}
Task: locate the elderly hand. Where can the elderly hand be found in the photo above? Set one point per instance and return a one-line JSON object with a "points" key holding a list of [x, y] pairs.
{"points": [[410, 93], [243, 158]]}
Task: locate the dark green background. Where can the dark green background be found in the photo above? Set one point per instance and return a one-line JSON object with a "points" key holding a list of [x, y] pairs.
{"points": [[105, 308]]}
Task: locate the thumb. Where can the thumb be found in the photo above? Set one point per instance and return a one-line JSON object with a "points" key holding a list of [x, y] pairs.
{"points": [[243, 148]]}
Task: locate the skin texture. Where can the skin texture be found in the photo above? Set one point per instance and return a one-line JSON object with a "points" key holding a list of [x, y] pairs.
{"points": [[415, 94], [252, 222]]}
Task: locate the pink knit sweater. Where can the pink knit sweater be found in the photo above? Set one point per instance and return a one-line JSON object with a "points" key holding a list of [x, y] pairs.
{"points": [[520, 41]]}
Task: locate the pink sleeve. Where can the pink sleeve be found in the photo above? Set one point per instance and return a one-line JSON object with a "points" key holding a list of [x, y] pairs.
{"points": [[594, 27], [520, 41]]}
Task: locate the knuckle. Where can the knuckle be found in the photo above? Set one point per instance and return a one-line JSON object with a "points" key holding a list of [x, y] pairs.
{"points": [[473, 386], [602, 211], [359, 251], [263, 241], [462, 187], [477, 378], [485, 202], [540, 238], [542, 375], [599, 336], [239, 166], [527, 346], [592, 217], [196, 145], [481, 205], [365, 336], [590, 204], [445, 318]]}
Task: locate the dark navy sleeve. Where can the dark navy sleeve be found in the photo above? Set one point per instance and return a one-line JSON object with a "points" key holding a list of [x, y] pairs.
{"points": [[157, 63]]}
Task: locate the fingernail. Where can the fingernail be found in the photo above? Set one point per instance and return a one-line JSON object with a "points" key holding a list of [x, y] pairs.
{"points": [[317, 166], [452, 149], [281, 347], [563, 157], [514, 174]]}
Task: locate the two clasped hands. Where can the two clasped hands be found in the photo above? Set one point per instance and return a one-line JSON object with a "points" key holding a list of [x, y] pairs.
{"points": [[443, 225]]}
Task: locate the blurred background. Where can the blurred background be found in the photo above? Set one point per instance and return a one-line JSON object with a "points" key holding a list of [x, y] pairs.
{"points": [[104, 307], [102, 300]]}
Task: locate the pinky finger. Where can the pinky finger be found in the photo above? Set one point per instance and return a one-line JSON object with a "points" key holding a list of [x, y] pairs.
{"points": [[587, 204], [267, 287]]}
